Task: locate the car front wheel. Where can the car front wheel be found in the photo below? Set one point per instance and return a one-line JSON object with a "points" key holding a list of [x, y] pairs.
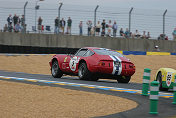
{"points": [[159, 78], [55, 70]]}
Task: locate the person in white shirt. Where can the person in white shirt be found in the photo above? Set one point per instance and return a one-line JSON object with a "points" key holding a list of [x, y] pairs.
{"points": [[98, 26], [137, 34], [109, 28]]}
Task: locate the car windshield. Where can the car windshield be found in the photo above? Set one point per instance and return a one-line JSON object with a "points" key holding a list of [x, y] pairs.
{"points": [[107, 52]]}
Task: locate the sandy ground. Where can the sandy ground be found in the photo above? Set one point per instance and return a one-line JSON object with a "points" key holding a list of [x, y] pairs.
{"points": [[150, 61], [40, 64], [23, 100], [19, 100]]}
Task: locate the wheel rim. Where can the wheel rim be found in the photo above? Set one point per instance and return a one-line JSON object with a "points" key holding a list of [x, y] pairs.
{"points": [[81, 71], [54, 68]]}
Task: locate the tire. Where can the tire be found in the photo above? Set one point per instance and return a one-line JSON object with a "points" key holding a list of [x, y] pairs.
{"points": [[123, 79], [159, 78], [55, 70], [85, 74], [94, 78]]}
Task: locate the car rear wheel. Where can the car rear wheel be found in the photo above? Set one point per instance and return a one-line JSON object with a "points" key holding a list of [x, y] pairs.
{"points": [[159, 78], [123, 79], [85, 74], [94, 78], [55, 70]]}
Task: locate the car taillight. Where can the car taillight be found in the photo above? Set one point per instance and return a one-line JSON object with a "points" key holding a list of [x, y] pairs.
{"points": [[132, 66], [101, 63]]}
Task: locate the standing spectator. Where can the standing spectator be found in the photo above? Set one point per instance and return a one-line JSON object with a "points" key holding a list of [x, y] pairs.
{"points": [[98, 26], [89, 27], [10, 28], [103, 33], [18, 19], [109, 28], [69, 24], [161, 37], [121, 32], [127, 33], [174, 34], [103, 25], [17, 28], [5, 28], [15, 19], [62, 25], [9, 20], [137, 34], [114, 27], [144, 35], [166, 38], [148, 35], [23, 28], [80, 28], [40, 24], [56, 22], [92, 31]]}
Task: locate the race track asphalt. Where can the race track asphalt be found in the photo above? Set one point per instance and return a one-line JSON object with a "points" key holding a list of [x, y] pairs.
{"points": [[165, 106]]}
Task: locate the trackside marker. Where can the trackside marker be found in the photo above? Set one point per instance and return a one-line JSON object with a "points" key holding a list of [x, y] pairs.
{"points": [[154, 90], [146, 80]]}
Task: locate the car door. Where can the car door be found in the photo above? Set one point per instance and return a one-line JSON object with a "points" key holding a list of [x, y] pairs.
{"points": [[70, 63]]}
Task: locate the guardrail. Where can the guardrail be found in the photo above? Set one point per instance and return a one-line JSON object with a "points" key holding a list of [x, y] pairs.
{"points": [[61, 50], [138, 46]]}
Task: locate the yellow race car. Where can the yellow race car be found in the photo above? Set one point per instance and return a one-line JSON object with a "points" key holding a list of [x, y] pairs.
{"points": [[165, 76]]}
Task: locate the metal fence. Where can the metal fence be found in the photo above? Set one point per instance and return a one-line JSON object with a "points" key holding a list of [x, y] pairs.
{"points": [[154, 21]]}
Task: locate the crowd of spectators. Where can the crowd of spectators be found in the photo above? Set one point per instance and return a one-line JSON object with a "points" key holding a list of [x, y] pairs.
{"points": [[60, 26], [110, 29], [15, 24]]}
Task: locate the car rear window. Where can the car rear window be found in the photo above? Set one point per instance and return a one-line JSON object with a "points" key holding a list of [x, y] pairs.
{"points": [[107, 52]]}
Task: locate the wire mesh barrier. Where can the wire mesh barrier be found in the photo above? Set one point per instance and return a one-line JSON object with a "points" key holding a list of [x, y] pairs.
{"points": [[151, 21]]}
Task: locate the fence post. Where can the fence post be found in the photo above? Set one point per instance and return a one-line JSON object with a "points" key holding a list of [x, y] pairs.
{"points": [[164, 14], [95, 16], [154, 89], [59, 9], [146, 80], [36, 8], [174, 89], [24, 27], [130, 19]]}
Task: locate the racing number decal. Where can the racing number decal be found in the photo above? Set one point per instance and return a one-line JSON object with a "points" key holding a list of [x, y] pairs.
{"points": [[73, 63], [169, 78]]}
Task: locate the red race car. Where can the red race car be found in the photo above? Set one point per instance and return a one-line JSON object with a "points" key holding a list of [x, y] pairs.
{"points": [[91, 63]]}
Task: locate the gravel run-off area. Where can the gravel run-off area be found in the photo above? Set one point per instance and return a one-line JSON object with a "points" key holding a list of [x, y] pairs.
{"points": [[19, 100]]}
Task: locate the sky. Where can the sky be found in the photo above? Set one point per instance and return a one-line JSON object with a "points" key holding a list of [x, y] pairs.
{"points": [[144, 4]]}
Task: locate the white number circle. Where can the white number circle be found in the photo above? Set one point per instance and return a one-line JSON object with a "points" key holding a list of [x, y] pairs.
{"points": [[73, 63]]}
